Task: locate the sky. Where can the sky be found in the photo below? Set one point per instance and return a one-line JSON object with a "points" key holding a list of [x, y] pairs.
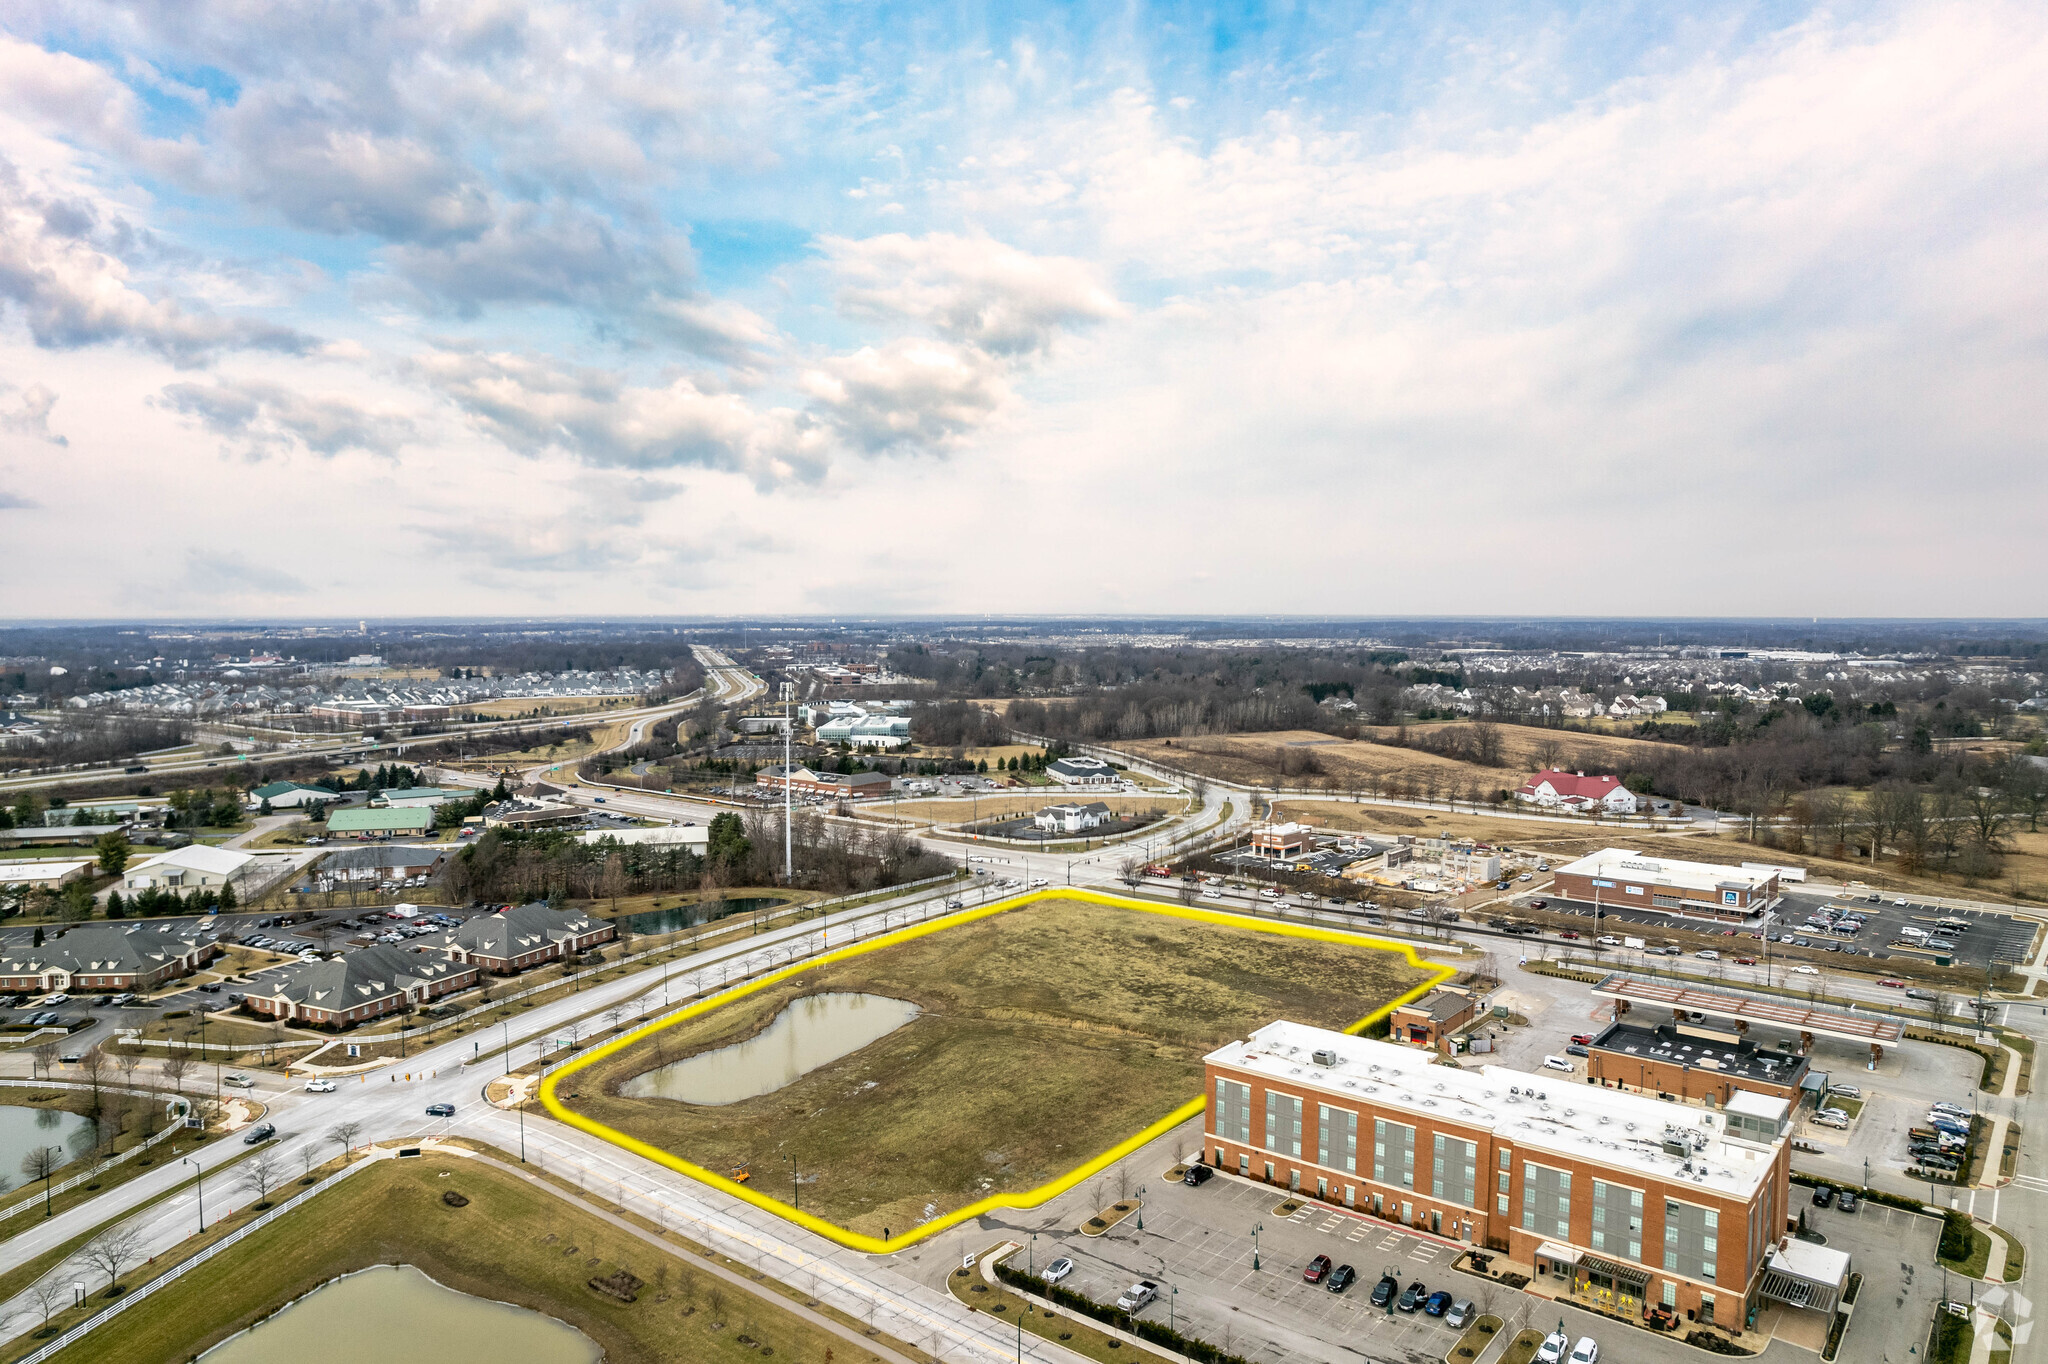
{"points": [[471, 307]]}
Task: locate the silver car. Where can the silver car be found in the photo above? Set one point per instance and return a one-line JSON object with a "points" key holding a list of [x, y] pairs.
{"points": [[1058, 1269]]}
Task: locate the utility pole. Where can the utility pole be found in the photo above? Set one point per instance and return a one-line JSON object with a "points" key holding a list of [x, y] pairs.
{"points": [[788, 804]]}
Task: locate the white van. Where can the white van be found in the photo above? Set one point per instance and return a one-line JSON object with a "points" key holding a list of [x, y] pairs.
{"points": [[1912, 934], [1557, 1063]]}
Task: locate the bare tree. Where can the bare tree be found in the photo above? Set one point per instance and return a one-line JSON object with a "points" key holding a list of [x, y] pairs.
{"points": [[44, 1056], [175, 1067], [49, 1297], [39, 1162], [113, 1251], [260, 1174], [344, 1134], [94, 1066]]}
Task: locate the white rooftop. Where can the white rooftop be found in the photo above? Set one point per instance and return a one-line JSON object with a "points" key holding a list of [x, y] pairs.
{"points": [[1538, 1111], [39, 869], [199, 857], [1623, 864], [1809, 1261], [1755, 1105]]}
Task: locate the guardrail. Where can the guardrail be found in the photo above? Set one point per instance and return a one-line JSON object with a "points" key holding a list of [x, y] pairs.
{"points": [[176, 1125], [177, 1271]]}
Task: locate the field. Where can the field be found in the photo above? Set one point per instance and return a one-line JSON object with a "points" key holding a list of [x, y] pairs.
{"points": [[1050, 1033], [513, 1242], [514, 707], [1300, 757], [994, 807], [2025, 867]]}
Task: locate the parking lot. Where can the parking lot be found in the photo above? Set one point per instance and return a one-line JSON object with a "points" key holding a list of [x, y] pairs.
{"points": [[1989, 938], [1199, 1241]]}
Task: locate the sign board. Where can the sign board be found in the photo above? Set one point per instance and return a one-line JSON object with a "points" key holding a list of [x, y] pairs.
{"points": [[404, 1151], [355, 1049]]}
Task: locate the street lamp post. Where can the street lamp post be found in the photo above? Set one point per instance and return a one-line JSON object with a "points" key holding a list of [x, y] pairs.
{"points": [[50, 1154], [1255, 1245], [198, 1187], [795, 1195], [1141, 1207], [505, 1032]]}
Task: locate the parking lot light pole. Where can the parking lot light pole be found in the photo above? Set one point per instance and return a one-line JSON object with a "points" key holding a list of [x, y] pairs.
{"points": [[198, 1187], [1031, 1255], [1256, 1229], [505, 1025], [1141, 1207]]}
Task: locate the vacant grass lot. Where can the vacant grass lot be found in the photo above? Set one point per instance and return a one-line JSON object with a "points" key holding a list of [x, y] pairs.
{"points": [[1049, 1034], [989, 807], [512, 1243]]}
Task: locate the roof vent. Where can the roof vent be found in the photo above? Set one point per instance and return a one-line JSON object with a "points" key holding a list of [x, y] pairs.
{"points": [[1325, 1058]]}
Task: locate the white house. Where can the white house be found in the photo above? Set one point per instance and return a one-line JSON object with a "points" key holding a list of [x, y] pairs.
{"points": [[1577, 791], [1071, 818], [1082, 772], [186, 869], [44, 873]]}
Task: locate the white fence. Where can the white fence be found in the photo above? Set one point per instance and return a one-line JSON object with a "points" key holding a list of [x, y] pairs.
{"points": [[176, 1125], [171, 1275]]}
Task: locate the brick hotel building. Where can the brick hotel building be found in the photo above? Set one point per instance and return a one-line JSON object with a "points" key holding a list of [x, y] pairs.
{"points": [[1619, 1199]]}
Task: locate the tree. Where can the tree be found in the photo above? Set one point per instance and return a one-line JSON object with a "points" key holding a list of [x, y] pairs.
{"points": [[39, 937], [175, 1066], [40, 1162], [112, 851], [344, 1134], [260, 1174], [76, 902], [49, 1297], [227, 896], [113, 1251], [44, 1056], [263, 809]]}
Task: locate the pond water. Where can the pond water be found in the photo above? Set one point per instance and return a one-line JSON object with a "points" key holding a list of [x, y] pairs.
{"points": [[24, 1129], [396, 1312], [812, 1032], [682, 916]]}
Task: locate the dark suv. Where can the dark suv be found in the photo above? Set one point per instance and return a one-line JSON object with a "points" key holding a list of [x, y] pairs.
{"points": [[1198, 1174], [1341, 1278], [1383, 1292]]}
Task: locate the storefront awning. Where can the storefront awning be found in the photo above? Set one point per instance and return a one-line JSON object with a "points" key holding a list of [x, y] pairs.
{"points": [[1624, 1275], [1557, 1254]]}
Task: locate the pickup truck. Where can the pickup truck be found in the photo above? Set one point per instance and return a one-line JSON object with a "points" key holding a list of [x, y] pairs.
{"points": [[1137, 1295]]}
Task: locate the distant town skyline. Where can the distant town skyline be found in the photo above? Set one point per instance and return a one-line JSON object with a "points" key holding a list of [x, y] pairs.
{"points": [[723, 310]]}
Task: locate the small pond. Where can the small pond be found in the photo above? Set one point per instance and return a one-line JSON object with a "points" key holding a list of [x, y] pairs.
{"points": [[396, 1312], [24, 1129], [682, 916], [812, 1032]]}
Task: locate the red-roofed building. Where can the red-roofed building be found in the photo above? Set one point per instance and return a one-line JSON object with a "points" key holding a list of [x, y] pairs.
{"points": [[1577, 791]]}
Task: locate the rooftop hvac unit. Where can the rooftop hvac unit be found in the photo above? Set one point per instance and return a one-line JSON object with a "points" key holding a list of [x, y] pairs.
{"points": [[1677, 1146], [1325, 1058]]}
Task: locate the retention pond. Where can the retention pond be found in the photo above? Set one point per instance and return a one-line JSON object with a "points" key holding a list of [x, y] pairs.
{"points": [[24, 1129], [396, 1312], [812, 1032]]}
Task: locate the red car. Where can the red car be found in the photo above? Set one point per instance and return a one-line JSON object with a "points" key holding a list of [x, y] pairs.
{"points": [[1317, 1268], [1582, 1039], [1745, 961], [1568, 933], [1889, 983]]}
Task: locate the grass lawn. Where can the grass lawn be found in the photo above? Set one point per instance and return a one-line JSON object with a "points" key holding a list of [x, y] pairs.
{"points": [[1070, 1330], [512, 1243], [1477, 1337], [992, 807], [1049, 1034], [1973, 1264], [1523, 1347], [519, 707]]}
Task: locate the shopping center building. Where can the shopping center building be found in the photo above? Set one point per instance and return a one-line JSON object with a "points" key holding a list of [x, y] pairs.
{"points": [[1612, 1197]]}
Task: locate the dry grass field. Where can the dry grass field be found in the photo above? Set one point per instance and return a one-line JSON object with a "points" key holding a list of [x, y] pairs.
{"points": [[2026, 866], [1299, 757], [1049, 1034], [960, 811], [511, 707]]}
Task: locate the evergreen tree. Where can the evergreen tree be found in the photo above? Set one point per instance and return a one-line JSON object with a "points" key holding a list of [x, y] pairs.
{"points": [[264, 808], [115, 910], [39, 937], [227, 895]]}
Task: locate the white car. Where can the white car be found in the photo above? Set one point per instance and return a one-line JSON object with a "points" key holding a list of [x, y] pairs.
{"points": [[1846, 1091], [1039, 881], [320, 1086], [1212, 895], [1835, 1121], [1557, 1063], [1137, 1295], [1806, 970], [1708, 954], [1587, 1351], [1608, 941], [1551, 1351], [1058, 1269]]}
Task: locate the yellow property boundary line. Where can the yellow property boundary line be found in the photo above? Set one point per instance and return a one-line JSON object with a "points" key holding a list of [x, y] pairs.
{"points": [[1032, 1198]]}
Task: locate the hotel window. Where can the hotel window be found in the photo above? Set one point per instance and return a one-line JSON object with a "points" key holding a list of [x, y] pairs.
{"points": [[1337, 1139], [1690, 1239], [1283, 1124], [1547, 1201], [1454, 1170], [1233, 1111], [1617, 1220], [1393, 1153]]}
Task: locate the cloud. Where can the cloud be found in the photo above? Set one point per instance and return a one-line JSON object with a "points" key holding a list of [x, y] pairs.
{"points": [[16, 502], [913, 393], [212, 574], [262, 418], [31, 415], [60, 265], [535, 405], [969, 289]]}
